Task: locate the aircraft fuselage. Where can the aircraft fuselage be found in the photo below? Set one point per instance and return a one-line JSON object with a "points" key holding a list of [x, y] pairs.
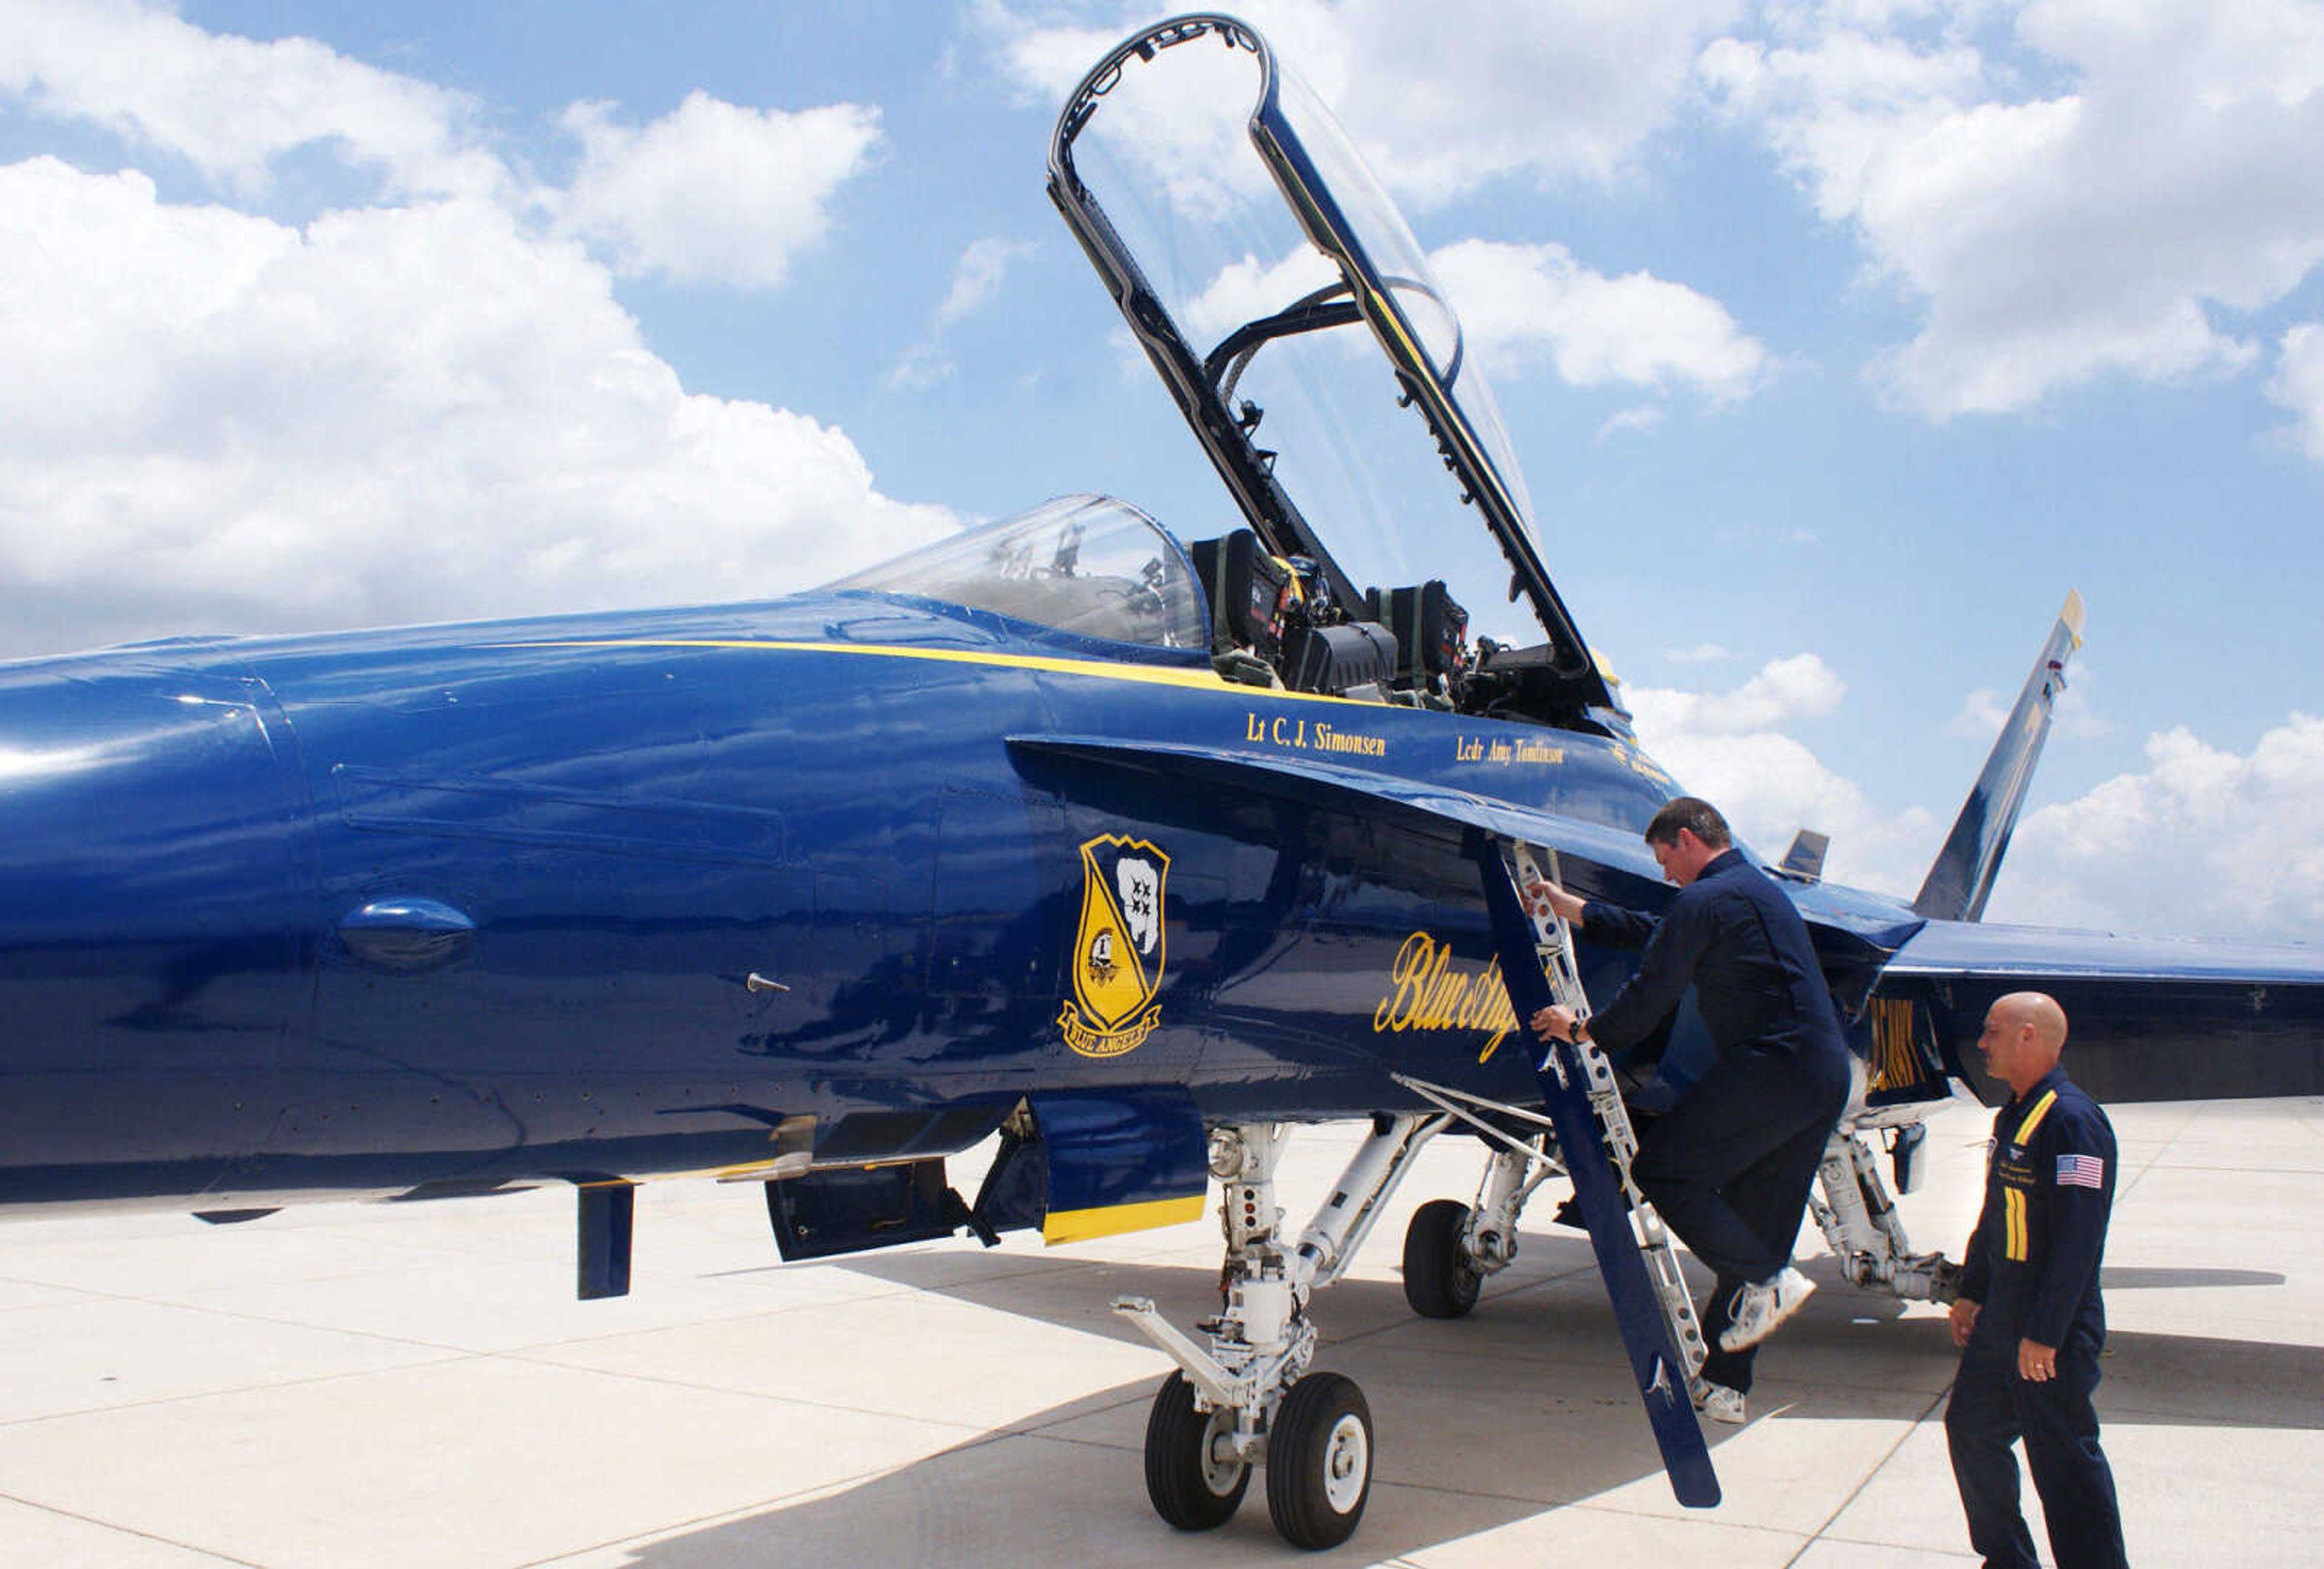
{"points": [[619, 894]]}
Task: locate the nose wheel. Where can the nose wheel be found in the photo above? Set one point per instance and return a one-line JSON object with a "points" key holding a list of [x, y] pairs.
{"points": [[1319, 1462], [1195, 1474]]}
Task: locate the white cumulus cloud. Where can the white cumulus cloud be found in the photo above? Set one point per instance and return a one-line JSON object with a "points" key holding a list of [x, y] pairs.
{"points": [[1802, 686], [1639, 417], [977, 279], [1455, 95], [420, 405], [1249, 289], [1443, 97], [391, 414], [2299, 385], [2205, 841], [1521, 302], [2071, 713], [1732, 748], [231, 106], [2114, 220], [1980, 716], [712, 191], [1522, 305], [978, 276]]}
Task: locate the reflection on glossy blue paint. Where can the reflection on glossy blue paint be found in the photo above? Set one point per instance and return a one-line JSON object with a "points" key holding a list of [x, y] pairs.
{"points": [[472, 905]]}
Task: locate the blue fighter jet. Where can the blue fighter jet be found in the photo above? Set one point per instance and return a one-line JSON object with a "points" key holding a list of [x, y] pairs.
{"points": [[1131, 852]]}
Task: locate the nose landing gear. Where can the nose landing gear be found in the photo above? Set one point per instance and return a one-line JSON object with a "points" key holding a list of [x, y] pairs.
{"points": [[1248, 1399]]}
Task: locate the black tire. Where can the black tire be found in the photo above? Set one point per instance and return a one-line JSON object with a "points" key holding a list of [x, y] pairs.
{"points": [[1190, 1487], [1439, 1281], [1319, 1462]]}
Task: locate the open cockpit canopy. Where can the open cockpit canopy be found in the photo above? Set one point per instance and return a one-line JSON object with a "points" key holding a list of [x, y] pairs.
{"points": [[1264, 270]]}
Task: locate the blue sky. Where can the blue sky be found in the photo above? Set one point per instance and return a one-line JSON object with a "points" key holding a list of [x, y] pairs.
{"points": [[1839, 342]]}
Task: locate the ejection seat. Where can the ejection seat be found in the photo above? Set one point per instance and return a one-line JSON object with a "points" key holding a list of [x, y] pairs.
{"points": [[1269, 627]]}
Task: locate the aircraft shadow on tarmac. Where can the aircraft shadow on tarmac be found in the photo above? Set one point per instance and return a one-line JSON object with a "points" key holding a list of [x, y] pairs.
{"points": [[2149, 1279], [1550, 1313], [1524, 1407]]}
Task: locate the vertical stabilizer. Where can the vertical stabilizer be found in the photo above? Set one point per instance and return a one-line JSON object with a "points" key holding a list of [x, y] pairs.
{"points": [[1805, 858], [1963, 875]]}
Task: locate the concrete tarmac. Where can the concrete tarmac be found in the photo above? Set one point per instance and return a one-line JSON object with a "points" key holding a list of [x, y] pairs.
{"points": [[353, 1385]]}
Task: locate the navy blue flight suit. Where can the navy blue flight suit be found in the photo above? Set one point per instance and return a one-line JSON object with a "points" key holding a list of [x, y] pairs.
{"points": [[2032, 1268], [1730, 1166]]}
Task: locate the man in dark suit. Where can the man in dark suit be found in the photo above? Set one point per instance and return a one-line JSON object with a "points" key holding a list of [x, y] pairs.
{"points": [[1729, 1168]]}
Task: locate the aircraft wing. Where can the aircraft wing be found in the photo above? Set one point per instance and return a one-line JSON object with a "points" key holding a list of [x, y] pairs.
{"points": [[1413, 804], [1964, 948], [2151, 1019]]}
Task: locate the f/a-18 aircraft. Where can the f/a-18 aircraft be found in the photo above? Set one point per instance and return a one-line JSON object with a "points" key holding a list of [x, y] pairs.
{"points": [[1131, 852]]}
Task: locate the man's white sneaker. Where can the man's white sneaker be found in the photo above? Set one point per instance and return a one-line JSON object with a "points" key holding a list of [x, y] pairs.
{"points": [[1758, 1309], [1719, 1403]]}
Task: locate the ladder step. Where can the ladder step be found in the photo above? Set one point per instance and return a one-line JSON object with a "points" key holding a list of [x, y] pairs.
{"points": [[1554, 942], [1642, 1309]]}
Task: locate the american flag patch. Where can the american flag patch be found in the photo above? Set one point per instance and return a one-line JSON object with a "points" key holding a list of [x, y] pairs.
{"points": [[2081, 1171]]}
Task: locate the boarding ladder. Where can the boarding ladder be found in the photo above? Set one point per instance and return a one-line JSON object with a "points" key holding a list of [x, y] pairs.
{"points": [[1553, 941]]}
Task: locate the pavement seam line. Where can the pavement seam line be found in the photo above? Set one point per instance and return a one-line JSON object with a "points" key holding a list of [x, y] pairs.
{"points": [[231, 1390], [128, 1531], [1857, 1490], [702, 1389], [779, 1501]]}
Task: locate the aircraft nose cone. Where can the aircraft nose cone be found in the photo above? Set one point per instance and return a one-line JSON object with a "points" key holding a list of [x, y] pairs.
{"points": [[151, 916]]}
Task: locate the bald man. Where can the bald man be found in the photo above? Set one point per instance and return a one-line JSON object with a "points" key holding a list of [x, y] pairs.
{"points": [[2029, 1320]]}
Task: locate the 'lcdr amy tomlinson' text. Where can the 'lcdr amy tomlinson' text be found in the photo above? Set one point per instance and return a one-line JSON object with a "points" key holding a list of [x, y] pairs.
{"points": [[1476, 748]]}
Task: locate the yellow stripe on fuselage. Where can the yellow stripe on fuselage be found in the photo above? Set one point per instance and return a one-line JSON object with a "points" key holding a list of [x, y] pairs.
{"points": [[1077, 1225], [1097, 669]]}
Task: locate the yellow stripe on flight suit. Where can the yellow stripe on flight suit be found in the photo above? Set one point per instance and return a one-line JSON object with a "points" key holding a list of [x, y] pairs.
{"points": [[2034, 1118], [2016, 1241]]}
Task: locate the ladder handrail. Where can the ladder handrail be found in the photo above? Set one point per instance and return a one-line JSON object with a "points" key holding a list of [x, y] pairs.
{"points": [[1554, 943]]}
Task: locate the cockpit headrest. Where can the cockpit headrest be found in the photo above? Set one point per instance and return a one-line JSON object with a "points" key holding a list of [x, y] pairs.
{"points": [[1432, 629], [1245, 586]]}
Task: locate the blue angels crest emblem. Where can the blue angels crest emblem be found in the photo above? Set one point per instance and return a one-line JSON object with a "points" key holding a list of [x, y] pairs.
{"points": [[1119, 946]]}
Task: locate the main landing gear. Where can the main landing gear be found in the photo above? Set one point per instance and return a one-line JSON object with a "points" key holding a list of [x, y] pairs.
{"points": [[1859, 1220], [1450, 1247], [1248, 1399]]}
